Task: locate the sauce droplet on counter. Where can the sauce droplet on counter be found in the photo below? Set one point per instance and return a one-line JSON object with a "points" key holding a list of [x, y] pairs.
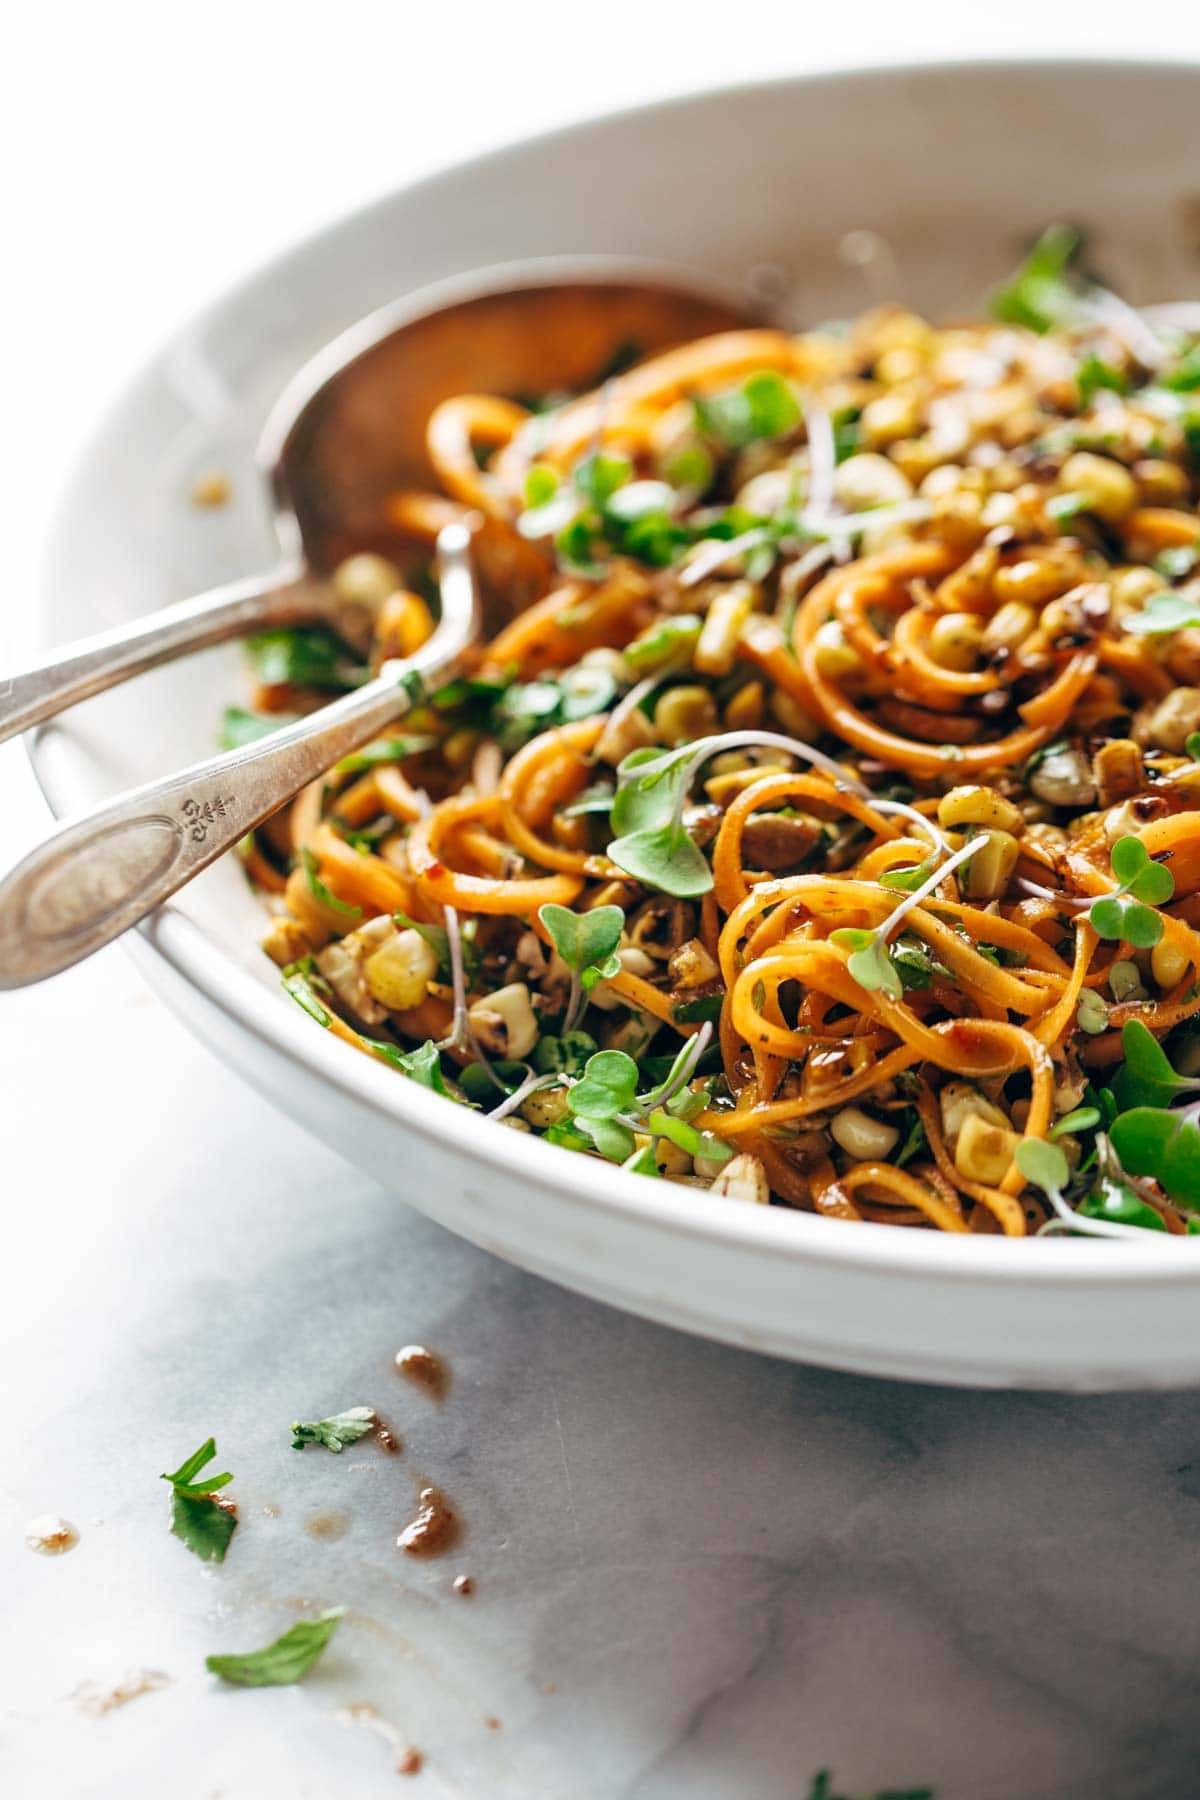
{"points": [[51, 1535], [435, 1528], [386, 1438], [328, 1526], [464, 1584], [410, 1762], [424, 1368]]}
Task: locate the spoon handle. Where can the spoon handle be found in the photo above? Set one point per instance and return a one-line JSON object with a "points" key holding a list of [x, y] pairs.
{"points": [[88, 666], [92, 879]]}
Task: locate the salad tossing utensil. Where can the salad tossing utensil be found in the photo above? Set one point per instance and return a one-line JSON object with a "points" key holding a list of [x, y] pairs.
{"points": [[92, 880], [349, 430]]}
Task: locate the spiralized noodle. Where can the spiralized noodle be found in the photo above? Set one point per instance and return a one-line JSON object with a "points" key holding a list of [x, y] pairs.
{"points": [[876, 600]]}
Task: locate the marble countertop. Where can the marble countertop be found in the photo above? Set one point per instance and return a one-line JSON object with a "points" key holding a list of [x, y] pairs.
{"points": [[698, 1574]]}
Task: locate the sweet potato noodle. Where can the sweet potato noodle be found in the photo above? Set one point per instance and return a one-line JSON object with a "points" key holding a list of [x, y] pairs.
{"points": [[673, 877]]}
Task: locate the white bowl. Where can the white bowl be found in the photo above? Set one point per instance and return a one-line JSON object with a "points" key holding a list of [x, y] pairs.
{"points": [[957, 167]]}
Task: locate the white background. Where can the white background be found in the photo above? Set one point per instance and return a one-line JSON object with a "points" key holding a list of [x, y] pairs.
{"points": [[151, 154]]}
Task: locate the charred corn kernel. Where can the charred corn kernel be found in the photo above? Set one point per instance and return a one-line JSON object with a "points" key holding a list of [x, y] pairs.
{"points": [[869, 480], [744, 710], [285, 941], [718, 644], [504, 1023], [1160, 483], [1008, 626], [958, 520], [545, 1108], [973, 805], [890, 417], [610, 660], [684, 713], [986, 876], [743, 1178], [902, 363], [1118, 771], [836, 659], [944, 480], [915, 457], [459, 748], [1174, 719], [956, 640], [1121, 821], [969, 588], [692, 966], [399, 972], [862, 1137], [365, 580], [1107, 487], [1131, 588], [1064, 778], [791, 715], [984, 1152], [959, 1101], [1168, 964], [624, 732], [670, 1159], [1033, 581]]}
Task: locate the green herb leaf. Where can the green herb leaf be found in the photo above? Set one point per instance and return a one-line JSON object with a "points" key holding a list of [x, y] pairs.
{"points": [[285, 1661], [422, 1066], [607, 1086], [336, 1432], [541, 485], [564, 1055], [869, 962], [297, 981], [599, 476], [586, 941], [668, 643], [696, 1012], [1163, 1145], [612, 1139], [1146, 1077], [317, 888], [664, 858], [764, 406], [1093, 374], [1044, 1165], [197, 1518], [1082, 1119], [1117, 1202], [1042, 295], [1163, 612], [1184, 378], [915, 1139], [651, 786], [908, 880], [240, 727], [304, 656], [689, 467], [642, 1162], [389, 750]]}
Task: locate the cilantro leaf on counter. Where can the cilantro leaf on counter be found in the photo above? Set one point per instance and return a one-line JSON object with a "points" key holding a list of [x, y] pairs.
{"points": [[287, 1660], [198, 1518], [336, 1432]]}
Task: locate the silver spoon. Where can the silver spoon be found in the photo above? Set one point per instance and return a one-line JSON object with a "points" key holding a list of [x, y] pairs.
{"points": [[93, 879], [350, 429], [345, 435]]}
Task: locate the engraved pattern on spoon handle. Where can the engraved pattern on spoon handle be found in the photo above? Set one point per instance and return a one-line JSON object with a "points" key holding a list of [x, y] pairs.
{"points": [[74, 672], [93, 879]]}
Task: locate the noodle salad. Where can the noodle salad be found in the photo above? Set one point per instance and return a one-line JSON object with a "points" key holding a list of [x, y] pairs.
{"points": [[821, 825]]}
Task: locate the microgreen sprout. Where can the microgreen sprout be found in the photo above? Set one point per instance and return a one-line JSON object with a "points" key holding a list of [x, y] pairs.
{"points": [[868, 961], [1044, 1165], [587, 943], [647, 811], [1127, 914], [1161, 613], [607, 1110]]}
